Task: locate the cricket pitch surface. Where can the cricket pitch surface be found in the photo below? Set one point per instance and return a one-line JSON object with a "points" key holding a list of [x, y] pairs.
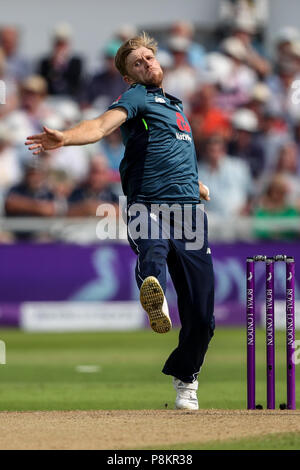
{"points": [[129, 429]]}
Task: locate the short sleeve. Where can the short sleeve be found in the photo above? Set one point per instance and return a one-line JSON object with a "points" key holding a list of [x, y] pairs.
{"points": [[133, 100]]}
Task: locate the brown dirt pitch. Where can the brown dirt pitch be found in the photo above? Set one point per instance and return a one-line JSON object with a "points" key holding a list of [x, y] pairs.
{"points": [[127, 429]]}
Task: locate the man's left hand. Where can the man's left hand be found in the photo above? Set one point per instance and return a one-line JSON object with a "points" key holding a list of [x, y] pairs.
{"points": [[204, 191]]}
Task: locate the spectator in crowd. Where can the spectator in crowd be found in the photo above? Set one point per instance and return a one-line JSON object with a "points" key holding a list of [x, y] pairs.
{"points": [[61, 184], [85, 198], [273, 133], [181, 79], [284, 39], [280, 85], [196, 52], [32, 113], [11, 89], [228, 179], [258, 101], [72, 160], [256, 11], [244, 29], [295, 57], [244, 143], [10, 171], [32, 110], [112, 147], [239, 79], [205, 117], [289, 166], [106, 85], [125, 32], [66, 109], [33, 198], [17, 66], [274, 204], [62, 70]]}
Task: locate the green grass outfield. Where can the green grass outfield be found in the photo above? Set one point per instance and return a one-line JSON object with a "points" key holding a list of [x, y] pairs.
{"points": [[41, 371], [285, 441]]}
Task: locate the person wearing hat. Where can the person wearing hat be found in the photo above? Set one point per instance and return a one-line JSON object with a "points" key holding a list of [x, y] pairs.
{"points": [[62, 70], [32, 197], [32, 109], [125, 32], [244, 143], [237, 83], [281, 86], [181, 78], [196, 52], [259, 99], [244, 29], [283, 41], [105, 85]]}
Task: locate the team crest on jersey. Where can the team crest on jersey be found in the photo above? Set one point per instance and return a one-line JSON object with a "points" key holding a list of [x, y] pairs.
{"points": [[159, 100]]}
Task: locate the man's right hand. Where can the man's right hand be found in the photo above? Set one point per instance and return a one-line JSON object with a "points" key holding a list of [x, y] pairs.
{"points": [[50, 139]]}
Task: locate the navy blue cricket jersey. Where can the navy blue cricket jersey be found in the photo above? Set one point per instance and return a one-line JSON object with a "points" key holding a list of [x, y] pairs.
{"points": [[159, 163]]}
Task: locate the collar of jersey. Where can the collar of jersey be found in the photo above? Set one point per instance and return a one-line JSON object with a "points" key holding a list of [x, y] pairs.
{"points": [[155, 89]]}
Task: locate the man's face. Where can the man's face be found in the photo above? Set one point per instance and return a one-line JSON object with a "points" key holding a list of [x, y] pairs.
{"points": [[98, 175], [215, 151], [9, 40], [143, 67], [34, 179], [31, 100]]}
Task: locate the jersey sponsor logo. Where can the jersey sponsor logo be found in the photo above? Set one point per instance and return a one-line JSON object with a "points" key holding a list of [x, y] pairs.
{"points": [[183, 137], [159, 100]]}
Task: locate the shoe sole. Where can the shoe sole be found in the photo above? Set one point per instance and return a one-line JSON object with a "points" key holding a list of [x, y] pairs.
{"points": [[152, 299]]}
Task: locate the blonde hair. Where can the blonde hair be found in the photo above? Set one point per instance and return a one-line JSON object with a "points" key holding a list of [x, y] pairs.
{"points": [[144, 40]]}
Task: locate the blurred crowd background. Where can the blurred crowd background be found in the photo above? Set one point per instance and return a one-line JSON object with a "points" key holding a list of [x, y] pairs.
{"points": [[242, 103]]}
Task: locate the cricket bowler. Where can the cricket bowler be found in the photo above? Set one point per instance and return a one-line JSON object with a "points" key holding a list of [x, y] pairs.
{"points": [[159, 169]]}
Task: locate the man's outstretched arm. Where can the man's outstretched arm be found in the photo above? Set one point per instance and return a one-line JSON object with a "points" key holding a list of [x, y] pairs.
{"points": [[86, 132]]}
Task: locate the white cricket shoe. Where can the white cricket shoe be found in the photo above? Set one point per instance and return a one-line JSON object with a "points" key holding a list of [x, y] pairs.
{"points": [[186, 395], [153, 300]]}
